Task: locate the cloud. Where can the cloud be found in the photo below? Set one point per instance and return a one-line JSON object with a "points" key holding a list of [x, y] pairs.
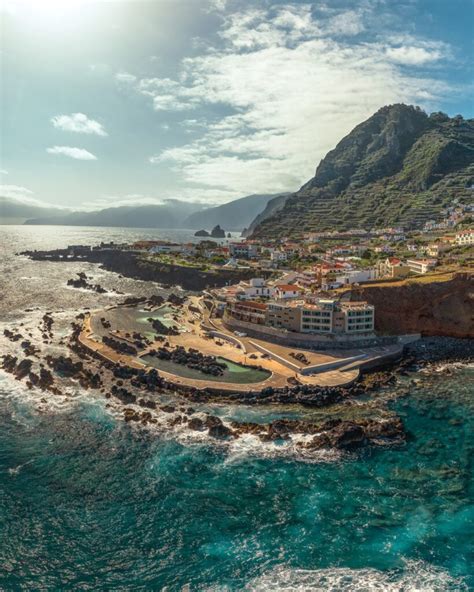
{"points": [[217, 5], [413, 56], [3, 172], [207, 197], [72, 152], [16, 192], [79, 123], [346, 23], [130, 199], [125, 77], [291, 84], [25, 196], [167, 94]]}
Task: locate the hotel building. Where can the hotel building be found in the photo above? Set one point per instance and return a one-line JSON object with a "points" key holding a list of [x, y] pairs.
{"points": [[321, 316]]}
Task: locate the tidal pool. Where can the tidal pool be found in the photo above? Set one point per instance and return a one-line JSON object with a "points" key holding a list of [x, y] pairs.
{"points": [[234, 373]]}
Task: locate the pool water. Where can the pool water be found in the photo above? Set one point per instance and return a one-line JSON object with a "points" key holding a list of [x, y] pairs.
{"points": [[234, 373], [163, 314]]}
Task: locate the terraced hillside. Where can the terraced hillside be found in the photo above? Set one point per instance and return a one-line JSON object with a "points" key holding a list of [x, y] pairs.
{"points": [[399, 167]]}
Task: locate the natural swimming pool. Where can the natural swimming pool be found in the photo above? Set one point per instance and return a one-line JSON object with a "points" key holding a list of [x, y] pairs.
{"points": [[234, 373]]}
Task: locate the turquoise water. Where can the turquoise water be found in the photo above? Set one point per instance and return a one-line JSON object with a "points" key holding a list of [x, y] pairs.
{"points": [[88, 504], [235, 373], [163, 314]]}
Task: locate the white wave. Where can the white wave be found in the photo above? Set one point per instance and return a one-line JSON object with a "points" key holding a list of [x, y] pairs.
{"points": [[442, 367], [36, 401], [416, 576], [249, 445], [29, 403], [13, 471]]}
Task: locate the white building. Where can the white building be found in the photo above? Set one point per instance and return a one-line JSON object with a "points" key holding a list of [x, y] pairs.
{"points": [[357, 276], [465, 237], [284, 291], [331, 316], [358, 317], [421, 265], [253, 289], [307, 279], [243, 250], [277, 256], [435, 249], [167, 248]]}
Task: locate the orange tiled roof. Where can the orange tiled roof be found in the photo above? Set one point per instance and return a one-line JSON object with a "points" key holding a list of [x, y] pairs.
{"points": [[287, 287]]}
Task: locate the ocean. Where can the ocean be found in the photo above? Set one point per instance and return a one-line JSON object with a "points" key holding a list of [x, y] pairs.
{"points": [[91, 503]]}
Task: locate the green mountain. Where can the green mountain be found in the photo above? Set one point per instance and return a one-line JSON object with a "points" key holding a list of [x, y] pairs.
{"points": [[399, 167], [235, 215]]}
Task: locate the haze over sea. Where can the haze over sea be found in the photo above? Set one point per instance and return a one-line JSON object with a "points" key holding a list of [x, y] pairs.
{"points": [[90, 503]]}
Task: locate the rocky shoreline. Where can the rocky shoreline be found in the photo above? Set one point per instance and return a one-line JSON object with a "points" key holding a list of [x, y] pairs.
{"points": [[135, 390], [82, 282], [136, 266]]}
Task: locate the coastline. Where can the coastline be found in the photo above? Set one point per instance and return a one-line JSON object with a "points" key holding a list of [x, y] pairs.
{"points": [[135, 390], [131, 264]]}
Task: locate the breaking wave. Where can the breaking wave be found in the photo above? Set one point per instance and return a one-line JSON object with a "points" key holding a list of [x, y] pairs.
{"points": [[416, 576]]}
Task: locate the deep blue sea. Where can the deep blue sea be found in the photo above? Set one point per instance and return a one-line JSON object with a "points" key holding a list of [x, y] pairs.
{"points": [[89, 503]]}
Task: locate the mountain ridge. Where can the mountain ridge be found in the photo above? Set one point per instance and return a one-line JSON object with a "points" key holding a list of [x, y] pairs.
{"points": [[169, 214], [172, 213], [234, 215], [399, 167], [14, 211]]}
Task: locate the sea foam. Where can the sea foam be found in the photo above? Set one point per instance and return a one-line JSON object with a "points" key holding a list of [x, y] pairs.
{"points": [[416, 576]]}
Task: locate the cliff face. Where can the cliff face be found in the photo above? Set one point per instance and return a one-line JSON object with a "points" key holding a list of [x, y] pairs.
{"points": [[444, 308], [272, 207], [399, 167]]}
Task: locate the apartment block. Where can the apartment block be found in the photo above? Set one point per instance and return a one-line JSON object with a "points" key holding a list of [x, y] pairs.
{"points": [[421, 266], [321, 316]]}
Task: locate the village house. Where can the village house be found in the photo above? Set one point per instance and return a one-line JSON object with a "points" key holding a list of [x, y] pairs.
{"points": [[284, 291], [421, 266], [308, 279], [356, 276], [244, 250], [255, 288], [328, 273], [278, 256], [465, 237], [386, 249], [392, 267], [435, 249], [291, 248], [343, 250]]}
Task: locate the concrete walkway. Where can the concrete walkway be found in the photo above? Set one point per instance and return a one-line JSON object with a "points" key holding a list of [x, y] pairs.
{"points": [[324, 369]]}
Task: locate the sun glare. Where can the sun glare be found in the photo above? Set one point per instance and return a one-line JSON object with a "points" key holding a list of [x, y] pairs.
{"points": [[49, 11]]}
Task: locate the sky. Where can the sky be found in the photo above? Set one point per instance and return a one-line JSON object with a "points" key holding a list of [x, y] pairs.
{"points": [[118, 102]]}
